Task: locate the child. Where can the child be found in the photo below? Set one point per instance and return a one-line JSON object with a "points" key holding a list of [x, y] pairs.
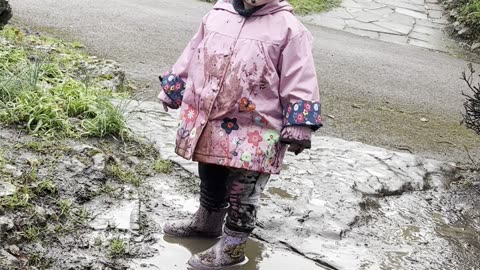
{"points": [[247, 87]]}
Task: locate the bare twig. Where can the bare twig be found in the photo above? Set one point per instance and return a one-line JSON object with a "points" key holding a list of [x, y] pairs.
{"points": [[472, 103]]}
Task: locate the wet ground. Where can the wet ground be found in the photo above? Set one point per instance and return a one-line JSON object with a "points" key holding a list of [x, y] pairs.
{"points": [[341, 205]]}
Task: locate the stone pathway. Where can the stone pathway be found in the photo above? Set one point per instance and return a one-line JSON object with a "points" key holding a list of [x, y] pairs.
{"points": [[414, 22]]}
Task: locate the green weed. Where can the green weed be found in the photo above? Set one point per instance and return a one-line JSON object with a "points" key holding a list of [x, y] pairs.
{"points": [[39, 262], [163, 166], [32, 233], [20, 199], [124, 175], [65, 207], [117, 248], [46, 187]]}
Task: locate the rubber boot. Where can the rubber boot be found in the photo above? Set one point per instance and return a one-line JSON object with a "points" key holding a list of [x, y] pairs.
{"points": [[204, 223], [228, 252]]}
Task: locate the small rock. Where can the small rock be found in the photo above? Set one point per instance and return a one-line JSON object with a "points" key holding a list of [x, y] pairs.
{"points": [[7, 259], [82, 148], [99, 162], [6, 224], [133, 160], [457, 25], [475, 46], [454, 13], [41, 214], [33, 161], [356, 106], [13, 249], [5, 12], [465, 31], [6, 189], [424, 119], [138, 239], [12, 170], [75, 165], [97, 170]]}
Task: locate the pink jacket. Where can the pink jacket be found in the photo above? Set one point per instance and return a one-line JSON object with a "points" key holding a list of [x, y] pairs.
{"points": [[242, 85]]}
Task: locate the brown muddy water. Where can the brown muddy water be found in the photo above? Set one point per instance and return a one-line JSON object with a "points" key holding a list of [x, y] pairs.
{"points": [[175, 252]]}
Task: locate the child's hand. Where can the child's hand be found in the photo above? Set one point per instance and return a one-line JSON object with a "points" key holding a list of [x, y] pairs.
{"points": [[296, 148], [165, 106]]}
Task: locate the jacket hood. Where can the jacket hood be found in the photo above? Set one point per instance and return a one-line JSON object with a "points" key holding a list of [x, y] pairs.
{"points": [[270, 8]]}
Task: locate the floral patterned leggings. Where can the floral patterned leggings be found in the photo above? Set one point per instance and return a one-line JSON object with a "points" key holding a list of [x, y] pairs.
{"points": [[241, 189]]}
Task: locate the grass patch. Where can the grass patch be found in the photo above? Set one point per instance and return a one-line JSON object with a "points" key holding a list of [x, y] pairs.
{"points": [[304, 7], [32, 233], [124, 175], [163, 166], [44, 91], [39, 261], [467, 14], [117, 248]]}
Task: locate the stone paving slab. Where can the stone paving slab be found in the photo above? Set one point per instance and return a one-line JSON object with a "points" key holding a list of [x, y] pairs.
{"points": [[415, 22]]}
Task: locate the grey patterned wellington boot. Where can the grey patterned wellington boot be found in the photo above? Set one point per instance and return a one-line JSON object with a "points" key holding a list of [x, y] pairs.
{"points": [[204, 223], [228, 252]]}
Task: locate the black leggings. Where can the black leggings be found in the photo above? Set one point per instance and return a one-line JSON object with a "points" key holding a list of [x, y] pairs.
{"points": [[237, 188]]}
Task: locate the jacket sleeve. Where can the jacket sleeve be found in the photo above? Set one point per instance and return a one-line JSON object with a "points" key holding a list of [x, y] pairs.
{"points": [[299, 93], [173, 82]]}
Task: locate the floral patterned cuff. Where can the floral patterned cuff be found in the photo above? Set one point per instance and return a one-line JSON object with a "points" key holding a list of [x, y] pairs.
{"points": [[174, 87], [303, 113], [301, 135]]}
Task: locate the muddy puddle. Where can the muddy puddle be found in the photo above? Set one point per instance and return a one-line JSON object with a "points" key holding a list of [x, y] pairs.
{"points": [[175, 252]]}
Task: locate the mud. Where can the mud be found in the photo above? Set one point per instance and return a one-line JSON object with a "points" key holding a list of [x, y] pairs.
{"points": [[342, 205]]}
